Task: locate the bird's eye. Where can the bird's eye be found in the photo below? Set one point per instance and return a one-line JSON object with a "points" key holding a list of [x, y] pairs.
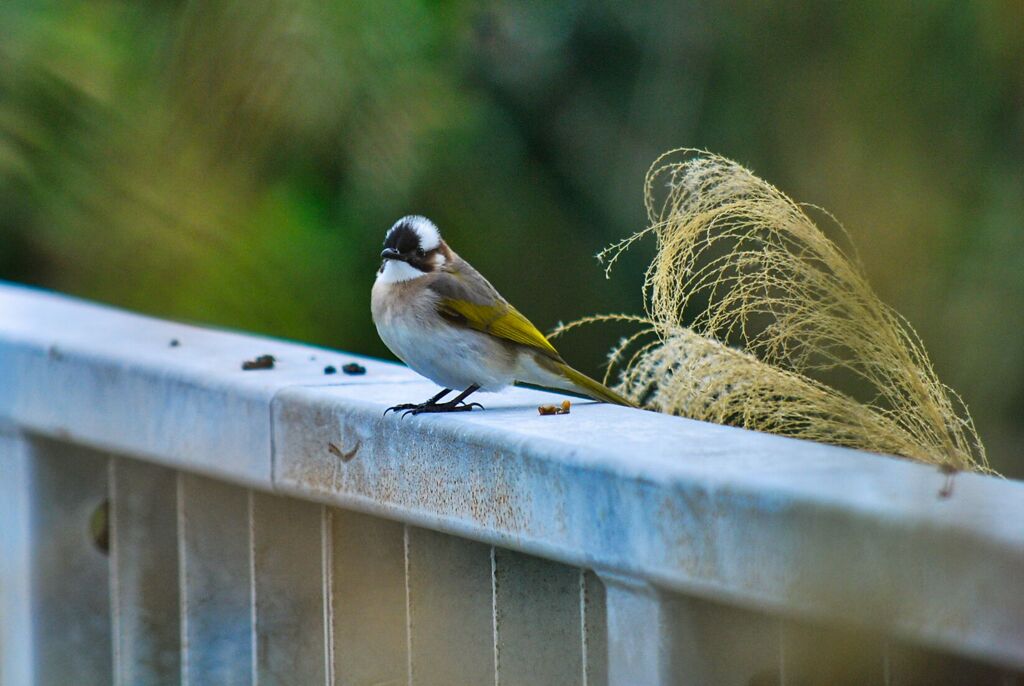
{"points": [[420, 253]]}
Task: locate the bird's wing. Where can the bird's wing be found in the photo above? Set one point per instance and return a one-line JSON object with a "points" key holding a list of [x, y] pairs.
{"points": [[468, 299]]}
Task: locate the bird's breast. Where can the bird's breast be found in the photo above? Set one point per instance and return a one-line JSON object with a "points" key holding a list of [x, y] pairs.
{"points": [[450, 356]]}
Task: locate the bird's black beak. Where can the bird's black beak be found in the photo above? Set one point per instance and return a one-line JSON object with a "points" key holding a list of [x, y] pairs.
{"points": [[391, 254]]}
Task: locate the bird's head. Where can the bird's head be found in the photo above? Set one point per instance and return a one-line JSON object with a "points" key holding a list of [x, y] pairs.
{"points": [[412, 248]]}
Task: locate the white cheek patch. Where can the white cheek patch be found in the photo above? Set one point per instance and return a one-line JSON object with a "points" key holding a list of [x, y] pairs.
{"points": [[439, 260], [396, 271]]}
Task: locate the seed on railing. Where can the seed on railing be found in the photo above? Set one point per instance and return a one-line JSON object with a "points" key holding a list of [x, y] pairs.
{"points": [[354, 368], [329, 369], [555, 409], [261, 362]]}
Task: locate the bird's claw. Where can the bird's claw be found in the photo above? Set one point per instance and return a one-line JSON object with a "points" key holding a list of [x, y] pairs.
{"points": [[461, 406]]}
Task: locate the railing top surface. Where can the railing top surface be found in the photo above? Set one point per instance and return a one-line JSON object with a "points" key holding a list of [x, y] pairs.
{"points": [[764, 521]]}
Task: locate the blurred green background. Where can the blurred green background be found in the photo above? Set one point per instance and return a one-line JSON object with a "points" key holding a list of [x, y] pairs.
{"points": [[237, 162]]}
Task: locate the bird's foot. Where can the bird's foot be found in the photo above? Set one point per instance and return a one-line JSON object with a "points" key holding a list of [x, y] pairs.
{"points": [[451, 406], [457, 404]]}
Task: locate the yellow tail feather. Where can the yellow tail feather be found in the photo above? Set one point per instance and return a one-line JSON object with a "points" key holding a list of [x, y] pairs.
{"points": [[591, 388]]}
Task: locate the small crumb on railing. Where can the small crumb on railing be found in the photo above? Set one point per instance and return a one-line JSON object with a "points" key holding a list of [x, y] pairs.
{"points": [[261, 362], [555, 409], [354, 368], [174, 343]]}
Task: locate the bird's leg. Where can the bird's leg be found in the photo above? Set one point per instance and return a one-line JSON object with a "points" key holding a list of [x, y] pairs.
{"points": [[461, 398], [456, 404], [411, 406]]}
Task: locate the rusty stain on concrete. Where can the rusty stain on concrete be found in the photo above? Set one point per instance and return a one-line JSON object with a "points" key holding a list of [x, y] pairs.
{"points": [[344, 456]]}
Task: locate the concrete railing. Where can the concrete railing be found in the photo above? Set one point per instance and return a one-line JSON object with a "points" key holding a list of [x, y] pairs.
{"points": [[271, 526]]}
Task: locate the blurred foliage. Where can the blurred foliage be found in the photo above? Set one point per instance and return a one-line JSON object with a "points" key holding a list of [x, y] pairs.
{"points": [[237, 163]]}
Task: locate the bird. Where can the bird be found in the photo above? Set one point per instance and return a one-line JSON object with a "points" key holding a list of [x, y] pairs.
{"points": [[444, 320]]}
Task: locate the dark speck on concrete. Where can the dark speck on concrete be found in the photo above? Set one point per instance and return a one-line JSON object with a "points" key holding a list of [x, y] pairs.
{"points": [[261, 362], [354, 368], [329, 369]]}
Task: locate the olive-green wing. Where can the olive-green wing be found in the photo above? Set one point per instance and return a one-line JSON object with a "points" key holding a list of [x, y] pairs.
{"points": [[468, 299], [501, 320]]}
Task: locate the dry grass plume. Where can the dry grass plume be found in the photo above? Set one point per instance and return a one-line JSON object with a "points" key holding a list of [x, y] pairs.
{"points": [[749, 268]]}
